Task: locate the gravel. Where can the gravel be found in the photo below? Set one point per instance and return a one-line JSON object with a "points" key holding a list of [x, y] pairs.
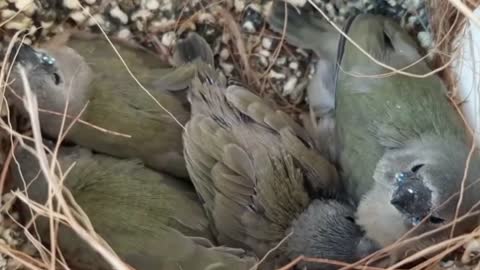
{"points": [[155, 23]]}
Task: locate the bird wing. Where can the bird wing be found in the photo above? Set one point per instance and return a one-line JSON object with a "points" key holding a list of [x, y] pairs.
{"points": [[251, 165], [150, 220]]}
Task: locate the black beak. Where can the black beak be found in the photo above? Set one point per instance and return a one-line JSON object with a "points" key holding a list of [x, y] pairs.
{"points": [[412, 198], [24, 54]]}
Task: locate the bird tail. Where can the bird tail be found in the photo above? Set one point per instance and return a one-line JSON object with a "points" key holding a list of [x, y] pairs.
{"points": [[303, 29], [193, 48]]}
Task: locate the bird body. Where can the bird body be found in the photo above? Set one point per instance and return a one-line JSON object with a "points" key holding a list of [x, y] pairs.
{"points": [[151, 220], [260, 178], [401, 146], [401, 142], [390, 110], [87, 76]]}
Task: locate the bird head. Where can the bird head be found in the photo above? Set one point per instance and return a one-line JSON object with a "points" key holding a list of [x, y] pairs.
{"points": [[384, 40], [418, 186], [327, 229], [54, 74]]}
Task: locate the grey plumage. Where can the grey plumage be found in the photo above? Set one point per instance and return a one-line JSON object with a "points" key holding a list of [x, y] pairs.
{"points": [[327, 229], [257, 171]]}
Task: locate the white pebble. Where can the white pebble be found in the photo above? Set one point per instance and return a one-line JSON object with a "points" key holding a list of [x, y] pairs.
{"points": [[267, 43], [27, 6], [275, 75], [19, 24], [265, 53], [206, 17], [227, 67], [289, 86], [411, 21], [46, 25], [152, 4], [249, 27], [169, 39], [140, 25], [7, 13], [281, 61], [255, 7], [97, 18], [164, 23], [124, 34], [297, 3], [116, 12], [224, 54], [142, 14], [32, 30], [9, 236], [302, 52], [267, 9], [79, 16], [15, 215], [90, 2], [167, 5], [27, 41], [330, 9], [71, 4], [263, 61], [293, 65], [425, 39], [239, 5], [392, 3], [412, 5]]}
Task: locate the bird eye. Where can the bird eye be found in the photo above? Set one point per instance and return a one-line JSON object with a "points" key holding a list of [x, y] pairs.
{"points": [[56, 78], [417, 167], [436, 220], [387, 40], [350, 219]]}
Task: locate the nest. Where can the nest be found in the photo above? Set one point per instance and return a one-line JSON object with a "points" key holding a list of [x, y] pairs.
{"points": [[20, 249]]}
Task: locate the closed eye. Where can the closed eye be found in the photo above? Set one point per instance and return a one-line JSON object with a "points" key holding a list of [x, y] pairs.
{"points": [[387, 41], [56, 78], [417, 167], [351, 219], [436, 220]]}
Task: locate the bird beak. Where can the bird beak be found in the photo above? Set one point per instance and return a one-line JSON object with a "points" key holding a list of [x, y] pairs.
{"points": [[412, 198], [26, 55]]}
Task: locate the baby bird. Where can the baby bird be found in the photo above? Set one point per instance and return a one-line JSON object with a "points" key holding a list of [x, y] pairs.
{"points": [[260, 180], [84, 73], [151, 220], [402, 147]]}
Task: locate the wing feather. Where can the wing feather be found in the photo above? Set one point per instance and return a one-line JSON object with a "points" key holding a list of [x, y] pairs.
{"points": [[252, 183]]}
